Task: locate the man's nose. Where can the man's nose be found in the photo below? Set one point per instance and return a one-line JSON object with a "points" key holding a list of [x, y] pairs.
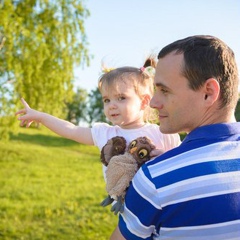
{"points": [[155, 102]]}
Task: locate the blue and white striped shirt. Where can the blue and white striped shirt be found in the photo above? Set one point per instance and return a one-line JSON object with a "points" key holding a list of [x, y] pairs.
{"points": [[190, 192]]}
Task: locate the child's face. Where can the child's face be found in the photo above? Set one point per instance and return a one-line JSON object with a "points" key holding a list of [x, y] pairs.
{"points": [[122, 105]]}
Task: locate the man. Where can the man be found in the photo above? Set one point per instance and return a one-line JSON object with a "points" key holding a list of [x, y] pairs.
{"points": [[193, 191]]}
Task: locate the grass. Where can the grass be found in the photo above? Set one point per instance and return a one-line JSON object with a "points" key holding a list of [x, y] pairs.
{"points": [[50, 188]]}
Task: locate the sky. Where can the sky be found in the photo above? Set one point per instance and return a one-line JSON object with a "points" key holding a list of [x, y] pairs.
{"points": [[124, 32]]}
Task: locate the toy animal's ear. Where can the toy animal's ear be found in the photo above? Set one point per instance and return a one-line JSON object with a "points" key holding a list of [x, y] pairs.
{"points": [[114, 146], [150, 143], [106, 152]]}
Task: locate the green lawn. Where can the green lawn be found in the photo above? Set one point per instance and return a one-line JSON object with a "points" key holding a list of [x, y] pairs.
{"points": [[51, 188]]}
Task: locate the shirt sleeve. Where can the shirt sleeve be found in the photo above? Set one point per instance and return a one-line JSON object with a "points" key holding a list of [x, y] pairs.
{"points": [[140, 221], [101, 132]]}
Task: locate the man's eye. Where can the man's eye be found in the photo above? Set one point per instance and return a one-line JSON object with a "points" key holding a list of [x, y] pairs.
{"points": [[164, 91]]}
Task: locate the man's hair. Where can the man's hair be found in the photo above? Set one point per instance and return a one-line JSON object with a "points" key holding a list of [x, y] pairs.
{"points": [[208, 57]]}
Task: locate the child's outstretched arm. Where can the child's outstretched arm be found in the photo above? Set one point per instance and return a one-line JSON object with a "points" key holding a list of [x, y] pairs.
{"points": [[59, 126]]}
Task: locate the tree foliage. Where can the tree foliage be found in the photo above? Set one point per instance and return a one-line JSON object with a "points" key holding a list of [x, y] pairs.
{"points": [[95, 107], [45, 41], [77, 108]]}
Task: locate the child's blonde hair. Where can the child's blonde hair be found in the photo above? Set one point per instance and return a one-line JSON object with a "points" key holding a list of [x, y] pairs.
{"points": [[141, 78]]}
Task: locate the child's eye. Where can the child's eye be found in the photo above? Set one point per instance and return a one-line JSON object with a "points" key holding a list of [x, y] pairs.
{"points": [[106, 100], [121, 98]]}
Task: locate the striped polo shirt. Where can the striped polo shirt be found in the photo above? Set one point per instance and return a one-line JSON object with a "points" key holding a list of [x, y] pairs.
{"points": [[190, 192]]}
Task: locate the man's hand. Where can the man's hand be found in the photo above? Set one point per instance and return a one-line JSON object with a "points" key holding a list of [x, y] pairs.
{"points": [[156, 152]]}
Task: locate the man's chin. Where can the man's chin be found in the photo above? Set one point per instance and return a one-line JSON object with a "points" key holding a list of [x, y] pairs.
{"points": [[167, 130]]}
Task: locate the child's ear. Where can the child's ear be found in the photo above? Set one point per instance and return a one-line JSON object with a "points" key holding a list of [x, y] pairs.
{"points": [[145, 101]]}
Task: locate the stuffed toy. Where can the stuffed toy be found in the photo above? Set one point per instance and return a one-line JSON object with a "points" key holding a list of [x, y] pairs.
{"points": [[122, 163]]}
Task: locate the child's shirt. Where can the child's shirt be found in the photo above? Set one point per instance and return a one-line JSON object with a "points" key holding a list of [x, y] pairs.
{"points": [[102, 132]]}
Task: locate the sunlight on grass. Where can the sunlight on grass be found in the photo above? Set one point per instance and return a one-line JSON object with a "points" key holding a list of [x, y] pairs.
{"points": [[51, 188]]}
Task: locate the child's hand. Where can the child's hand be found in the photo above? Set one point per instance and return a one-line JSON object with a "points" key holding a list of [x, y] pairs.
{"points": [[29, 115], [156, 152]]}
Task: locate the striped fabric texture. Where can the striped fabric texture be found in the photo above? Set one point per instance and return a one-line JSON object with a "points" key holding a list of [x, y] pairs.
{"points": [[191, 192]]}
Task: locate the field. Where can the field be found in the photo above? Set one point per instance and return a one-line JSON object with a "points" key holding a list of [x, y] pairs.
{"points": [[50, 188]]}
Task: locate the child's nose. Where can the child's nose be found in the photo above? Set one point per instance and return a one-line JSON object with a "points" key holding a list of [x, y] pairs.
{"points": [[112, 105]]}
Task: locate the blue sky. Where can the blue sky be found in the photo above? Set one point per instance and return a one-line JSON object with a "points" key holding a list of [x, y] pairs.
{"points": [[124, 32]]}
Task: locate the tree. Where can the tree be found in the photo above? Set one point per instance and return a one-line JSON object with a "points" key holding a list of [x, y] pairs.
{"points": [[3, 102], [77, 108], [45, 41], [95, 108]]}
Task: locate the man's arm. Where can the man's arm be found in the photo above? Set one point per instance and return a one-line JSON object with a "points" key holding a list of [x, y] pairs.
{"points": [[116, 235]]}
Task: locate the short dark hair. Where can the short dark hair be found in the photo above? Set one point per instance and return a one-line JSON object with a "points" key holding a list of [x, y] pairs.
{"points": [[208, 57]]}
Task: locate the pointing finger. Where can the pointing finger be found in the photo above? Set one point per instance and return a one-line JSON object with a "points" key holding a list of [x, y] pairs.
{"points": [[24, 103]]}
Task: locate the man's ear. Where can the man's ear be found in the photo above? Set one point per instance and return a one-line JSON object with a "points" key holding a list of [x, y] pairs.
{"points": [[211, 91], [145, 101]]}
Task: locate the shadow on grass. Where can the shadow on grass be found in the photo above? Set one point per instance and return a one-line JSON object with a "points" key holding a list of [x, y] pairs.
{"points": [[44, 140]]}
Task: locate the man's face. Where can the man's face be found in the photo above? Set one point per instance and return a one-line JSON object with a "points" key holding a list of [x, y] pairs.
{"points": [[180, 108]]}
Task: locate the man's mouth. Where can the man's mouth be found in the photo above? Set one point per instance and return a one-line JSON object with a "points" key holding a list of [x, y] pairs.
{"points": [[161, 116]]}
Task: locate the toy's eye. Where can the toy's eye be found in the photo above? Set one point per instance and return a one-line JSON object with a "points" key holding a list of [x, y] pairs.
{"points": [[143, 153], [133, 144]]}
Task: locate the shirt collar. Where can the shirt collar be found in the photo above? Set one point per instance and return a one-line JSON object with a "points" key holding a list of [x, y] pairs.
{"points": [[213, 131]]}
